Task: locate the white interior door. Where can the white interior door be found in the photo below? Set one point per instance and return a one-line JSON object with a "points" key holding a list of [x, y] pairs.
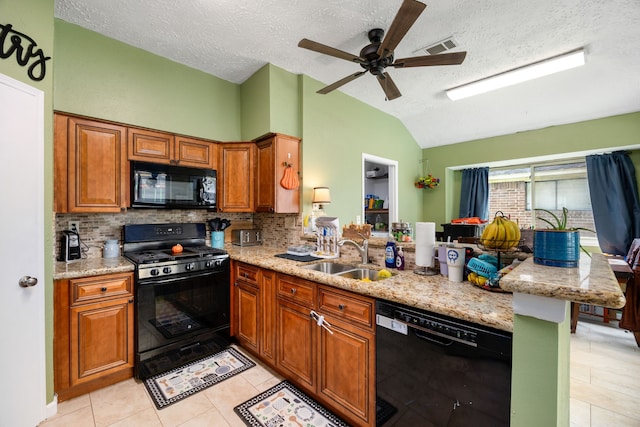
{"points": [[22, 359]]}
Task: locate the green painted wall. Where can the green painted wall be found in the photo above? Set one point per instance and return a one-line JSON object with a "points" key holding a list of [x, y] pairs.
{"points": [[256, 110], [336, 130], [443, 203], [540, 375], [100, 77], [35, 19], [285, 102], [270, 103]]}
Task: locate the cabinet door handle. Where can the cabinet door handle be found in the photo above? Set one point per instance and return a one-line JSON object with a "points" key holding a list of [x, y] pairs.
{"points": [[293, 291], [341, 306], [131, 301], [103, 289]]}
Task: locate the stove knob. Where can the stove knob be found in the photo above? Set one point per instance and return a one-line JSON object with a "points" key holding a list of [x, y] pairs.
{"points": [[218, 262], [166, 270], [208, 264], [189, 266], [154, 272]]}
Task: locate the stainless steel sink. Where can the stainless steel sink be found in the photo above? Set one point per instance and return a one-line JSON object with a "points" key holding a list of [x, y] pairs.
{"points": [[328, 267], [359, 273]]}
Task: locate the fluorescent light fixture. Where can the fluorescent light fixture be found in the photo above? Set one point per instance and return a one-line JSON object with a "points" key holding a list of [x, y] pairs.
{"points": [[556, 64]]}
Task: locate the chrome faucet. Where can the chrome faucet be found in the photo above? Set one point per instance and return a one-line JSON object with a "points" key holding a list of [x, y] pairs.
{"points": [[362, 250]]}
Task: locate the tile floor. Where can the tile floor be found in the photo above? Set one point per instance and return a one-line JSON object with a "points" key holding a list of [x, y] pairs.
{"points": [[605, 389]]}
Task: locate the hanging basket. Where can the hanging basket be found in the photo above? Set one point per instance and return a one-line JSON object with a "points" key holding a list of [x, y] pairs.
{"points": [[428, 181]]}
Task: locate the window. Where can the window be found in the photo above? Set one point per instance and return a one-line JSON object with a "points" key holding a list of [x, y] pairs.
{"points": [[516, 190]]}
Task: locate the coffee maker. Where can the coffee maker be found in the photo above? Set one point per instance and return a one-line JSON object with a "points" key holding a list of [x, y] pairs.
{"points": [[70, 246]]}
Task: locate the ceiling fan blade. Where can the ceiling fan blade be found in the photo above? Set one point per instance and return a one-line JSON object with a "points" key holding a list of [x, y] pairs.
{"points": [[388, 86], [406, 16], [340, 82], [328, 50], [454, 58]]}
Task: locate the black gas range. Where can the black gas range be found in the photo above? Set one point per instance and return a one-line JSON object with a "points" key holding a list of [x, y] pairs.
{"points": [[150, 247], [182, 298]]}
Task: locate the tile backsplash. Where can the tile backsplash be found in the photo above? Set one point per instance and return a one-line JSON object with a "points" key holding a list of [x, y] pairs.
{"points": [[278, 230], [95, 228]]}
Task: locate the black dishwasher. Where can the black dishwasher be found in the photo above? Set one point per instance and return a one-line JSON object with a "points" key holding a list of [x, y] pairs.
{"points": [[434, 370]]}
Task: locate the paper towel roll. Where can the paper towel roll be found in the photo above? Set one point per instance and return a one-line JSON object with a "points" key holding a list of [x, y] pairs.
{"points": [[425, 243]]}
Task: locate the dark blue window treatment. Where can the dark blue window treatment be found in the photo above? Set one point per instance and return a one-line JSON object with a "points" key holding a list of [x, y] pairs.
{"points": [[614, 200], [474, 194]]}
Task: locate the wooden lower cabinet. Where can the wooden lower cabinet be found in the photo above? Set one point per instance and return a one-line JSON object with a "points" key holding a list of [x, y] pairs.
{"points": [[337, 369], [254, 298], [296, 344], [248, 309], [268, 300], [93, 333], [346, 370]]}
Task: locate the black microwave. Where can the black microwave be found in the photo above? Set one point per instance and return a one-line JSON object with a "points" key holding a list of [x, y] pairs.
{"points": [[166, 186]]}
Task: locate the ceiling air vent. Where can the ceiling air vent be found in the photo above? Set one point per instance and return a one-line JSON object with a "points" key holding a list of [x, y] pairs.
{"points": [[439, 47]]}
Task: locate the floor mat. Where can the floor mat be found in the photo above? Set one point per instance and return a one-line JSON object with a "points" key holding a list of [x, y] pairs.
{"points": [[172, 386], [384, 411], [284, 405]]}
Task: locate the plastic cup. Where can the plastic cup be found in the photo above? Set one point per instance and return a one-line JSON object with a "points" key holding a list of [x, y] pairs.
{"points": [[442, 259], [455, 263]]}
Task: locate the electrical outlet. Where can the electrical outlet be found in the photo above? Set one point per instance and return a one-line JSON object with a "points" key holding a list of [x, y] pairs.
{"points": [[74, 226], [290, 222]]}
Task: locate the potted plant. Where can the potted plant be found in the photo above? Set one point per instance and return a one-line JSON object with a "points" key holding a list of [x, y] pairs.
{"points": [[558, 245]]}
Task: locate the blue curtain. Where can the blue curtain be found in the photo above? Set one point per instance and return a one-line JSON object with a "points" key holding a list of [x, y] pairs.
{"points": [[614, 200], [474, 194]]}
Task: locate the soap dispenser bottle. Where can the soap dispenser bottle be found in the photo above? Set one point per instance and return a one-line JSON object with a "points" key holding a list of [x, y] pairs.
{"points": [[390, 253]]}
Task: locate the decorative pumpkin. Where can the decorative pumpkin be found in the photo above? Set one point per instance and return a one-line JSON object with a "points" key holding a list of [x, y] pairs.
{"points": [[289, 180]]}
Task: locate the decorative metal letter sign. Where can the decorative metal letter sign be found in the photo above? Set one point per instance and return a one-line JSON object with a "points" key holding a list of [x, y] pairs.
{"points": [[12, 41]]}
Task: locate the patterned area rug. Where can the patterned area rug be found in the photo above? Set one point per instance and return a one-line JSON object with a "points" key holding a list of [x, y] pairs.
{"points": [[172, 386], [286, 406]]}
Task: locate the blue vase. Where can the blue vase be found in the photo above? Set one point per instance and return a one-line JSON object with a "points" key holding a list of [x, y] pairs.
{"points": [[556, 248]]}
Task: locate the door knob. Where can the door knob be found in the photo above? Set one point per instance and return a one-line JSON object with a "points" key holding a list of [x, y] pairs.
{"points": [[27, 281]]}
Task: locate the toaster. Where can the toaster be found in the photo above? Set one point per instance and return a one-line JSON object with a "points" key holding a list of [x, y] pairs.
{"points": [[246, 237]]}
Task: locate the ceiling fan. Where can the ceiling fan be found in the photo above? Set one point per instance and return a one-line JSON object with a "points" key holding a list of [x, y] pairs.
{"points": [[378, 55]]}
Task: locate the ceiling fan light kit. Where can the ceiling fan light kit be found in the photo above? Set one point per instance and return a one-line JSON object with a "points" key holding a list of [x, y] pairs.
{"points": [[542, 68], [378, 55]]}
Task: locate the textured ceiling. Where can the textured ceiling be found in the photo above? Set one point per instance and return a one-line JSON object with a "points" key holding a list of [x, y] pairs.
{"points": [[232, 39]]}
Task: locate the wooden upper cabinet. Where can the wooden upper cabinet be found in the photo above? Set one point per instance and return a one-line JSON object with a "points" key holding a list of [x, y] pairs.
{"points": [[236, 176], [196, 153], [274, 153], [91, 168], [149, 146], [165, 148]]}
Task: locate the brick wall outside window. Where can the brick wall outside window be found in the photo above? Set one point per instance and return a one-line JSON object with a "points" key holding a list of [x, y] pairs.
{"points": [[510, 198]]}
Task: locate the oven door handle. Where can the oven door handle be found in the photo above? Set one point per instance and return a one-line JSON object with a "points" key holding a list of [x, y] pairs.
{"points": [[154, 282]]}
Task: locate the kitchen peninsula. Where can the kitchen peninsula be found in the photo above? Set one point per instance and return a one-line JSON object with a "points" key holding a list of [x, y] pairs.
{"points": [[537, 314]]}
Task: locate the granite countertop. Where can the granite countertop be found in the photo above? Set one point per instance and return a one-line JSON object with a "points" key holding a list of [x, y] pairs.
{"points": [[91, 267], [434, 293], [592, 282]]}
